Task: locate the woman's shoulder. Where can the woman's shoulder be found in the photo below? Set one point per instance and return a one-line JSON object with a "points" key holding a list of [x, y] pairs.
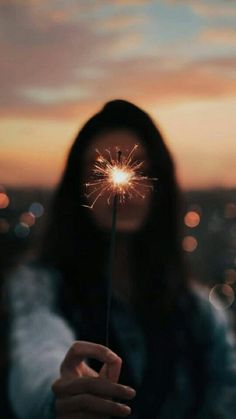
{"points": [[31, 282]]}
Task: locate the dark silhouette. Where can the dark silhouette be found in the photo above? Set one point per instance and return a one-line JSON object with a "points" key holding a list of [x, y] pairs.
{"points": [[73, 239], [163, 301]]}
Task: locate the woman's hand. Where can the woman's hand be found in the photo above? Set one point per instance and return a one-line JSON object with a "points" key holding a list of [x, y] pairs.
{"points": [[82, 393]]}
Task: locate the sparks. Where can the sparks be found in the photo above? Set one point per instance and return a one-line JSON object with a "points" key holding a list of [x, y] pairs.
{"points": [[121, 176]]}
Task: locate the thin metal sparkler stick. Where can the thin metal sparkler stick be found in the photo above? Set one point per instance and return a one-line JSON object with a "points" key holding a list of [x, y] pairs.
{"points": [[111, 261], [121, 179]]}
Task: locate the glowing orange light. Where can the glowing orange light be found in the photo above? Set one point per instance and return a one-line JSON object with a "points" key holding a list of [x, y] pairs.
{"points": [[28, 218], [117, 176], [4, 200], [190, 244], [192, 219]]}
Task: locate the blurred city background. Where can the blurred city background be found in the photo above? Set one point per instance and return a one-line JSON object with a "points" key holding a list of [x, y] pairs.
{"points": [[209, 240]]}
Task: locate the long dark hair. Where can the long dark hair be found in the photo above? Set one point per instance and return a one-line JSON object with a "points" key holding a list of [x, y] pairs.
{"points": [[74, 245]]}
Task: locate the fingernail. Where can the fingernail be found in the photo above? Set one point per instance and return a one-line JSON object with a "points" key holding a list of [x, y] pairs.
{"points": [[126, 409], [112, 356], [131, 391]]}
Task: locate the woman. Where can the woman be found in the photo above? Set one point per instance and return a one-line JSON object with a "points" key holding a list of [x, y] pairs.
{"points": [[169, 353]]}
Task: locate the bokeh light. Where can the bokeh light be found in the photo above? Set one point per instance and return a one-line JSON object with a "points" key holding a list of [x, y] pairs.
{"points": [[22, 230], [28, 218], [4, 226], [190, 243], [230, 210], [36, 209], [230, 276], [192, 219], [4, 200], [221, 296]]}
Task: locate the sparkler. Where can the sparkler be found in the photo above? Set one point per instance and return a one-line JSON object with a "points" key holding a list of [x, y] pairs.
{"points": [[120, 178]]}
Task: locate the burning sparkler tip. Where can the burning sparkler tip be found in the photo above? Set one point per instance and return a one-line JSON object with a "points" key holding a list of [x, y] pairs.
{"points": [[116, 175]]}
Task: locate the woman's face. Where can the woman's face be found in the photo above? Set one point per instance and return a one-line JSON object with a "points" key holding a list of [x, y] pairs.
{"points": [[132, 214]]}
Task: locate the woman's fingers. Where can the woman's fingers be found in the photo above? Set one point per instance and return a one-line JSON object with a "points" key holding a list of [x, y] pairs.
{"points": [[81, 350], [91, 404], [82, 391], [111, 371], [83, 370], [94, 386]]}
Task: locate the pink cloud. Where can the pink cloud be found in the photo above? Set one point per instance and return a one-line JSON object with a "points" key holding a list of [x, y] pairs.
{"points": [[225, 36], [122, 22], [141, 80], [46, 50], [130, 2]]}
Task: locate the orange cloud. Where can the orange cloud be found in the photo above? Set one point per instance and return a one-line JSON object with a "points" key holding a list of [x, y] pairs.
{"points": [[63, 69], [130, 2], [121, 22], [149, 80], [225, 36], [200, 135], [62, 63]]}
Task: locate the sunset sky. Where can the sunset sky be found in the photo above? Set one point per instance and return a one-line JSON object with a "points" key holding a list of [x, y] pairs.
{"points": [[62, 59]]}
